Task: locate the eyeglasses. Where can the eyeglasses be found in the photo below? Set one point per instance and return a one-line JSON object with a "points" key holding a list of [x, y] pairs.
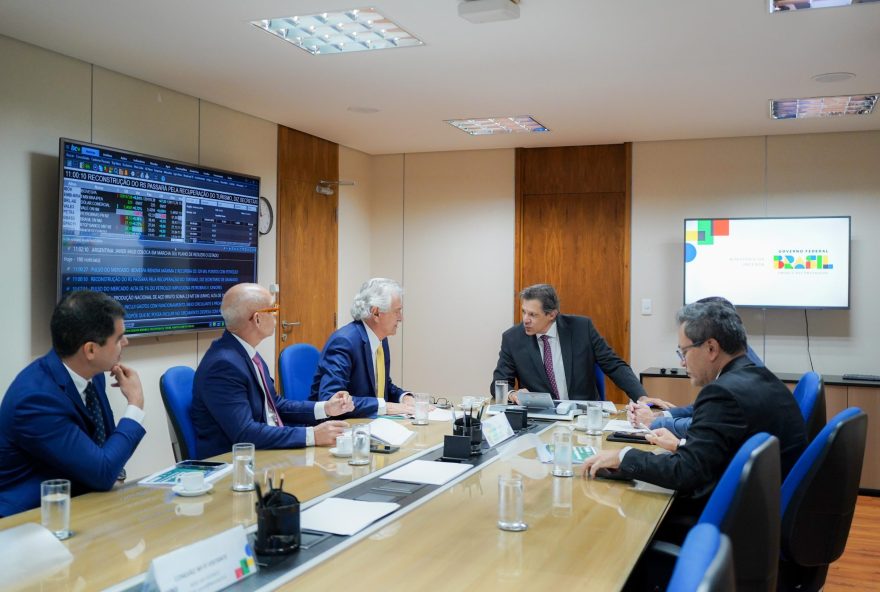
{"points": [[682, 351], [271, 309], [441, 402]]}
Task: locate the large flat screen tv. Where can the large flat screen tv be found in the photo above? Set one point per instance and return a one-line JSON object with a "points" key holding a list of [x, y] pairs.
{"points": [[769, 262], [164, 238]]}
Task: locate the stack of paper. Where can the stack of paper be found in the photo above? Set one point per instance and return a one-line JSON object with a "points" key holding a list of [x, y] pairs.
{"points": [[344, 516], [621, 425], [426, 471], [389, 432]]}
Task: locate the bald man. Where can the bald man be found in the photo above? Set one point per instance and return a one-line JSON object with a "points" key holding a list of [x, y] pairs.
{"points": [[234, 398]]}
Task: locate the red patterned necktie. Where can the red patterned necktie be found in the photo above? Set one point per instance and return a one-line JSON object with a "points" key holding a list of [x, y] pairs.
{"points": [[548, 366], [259, 362]]}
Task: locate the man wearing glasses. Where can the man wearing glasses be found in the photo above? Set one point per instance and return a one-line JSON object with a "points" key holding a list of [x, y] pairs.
{"points": [[738, 399], [55, 419], [234, 398], [356, 358]]}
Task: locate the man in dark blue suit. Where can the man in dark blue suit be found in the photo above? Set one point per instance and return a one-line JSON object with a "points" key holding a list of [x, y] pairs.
{"points": [[234, 398], [356, 357], [55, 419]]}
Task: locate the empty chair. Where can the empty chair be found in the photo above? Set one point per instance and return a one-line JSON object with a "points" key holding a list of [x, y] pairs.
{"points": [[745, 507], [600, 381], [810, 396], [296, 368], [819, 499], [176, 388], [705, 562]]}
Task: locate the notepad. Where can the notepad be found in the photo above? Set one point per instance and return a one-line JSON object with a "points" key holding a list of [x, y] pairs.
{"points": [[389, 432], [428, 472], [344, 516]]}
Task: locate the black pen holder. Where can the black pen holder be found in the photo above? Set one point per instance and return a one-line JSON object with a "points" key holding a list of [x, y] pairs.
{"points": [[518, 418], [277, 524], [474, 429]]}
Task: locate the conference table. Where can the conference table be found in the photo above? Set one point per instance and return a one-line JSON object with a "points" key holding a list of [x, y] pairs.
{"points": [[581, 532]]}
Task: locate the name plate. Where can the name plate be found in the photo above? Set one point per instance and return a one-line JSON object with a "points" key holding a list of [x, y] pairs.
{"points": [[206, 566], [497, 429]]}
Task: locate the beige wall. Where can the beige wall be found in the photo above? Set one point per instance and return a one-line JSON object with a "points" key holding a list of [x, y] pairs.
{"points": [[806, 175], [45, 96]]}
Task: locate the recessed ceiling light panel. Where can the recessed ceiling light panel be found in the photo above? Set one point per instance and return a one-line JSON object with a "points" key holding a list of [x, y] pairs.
{"points": [[823, 106], [358, 29], [498, 125], [784, 5]]}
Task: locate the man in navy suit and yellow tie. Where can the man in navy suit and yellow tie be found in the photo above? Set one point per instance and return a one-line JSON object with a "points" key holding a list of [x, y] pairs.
{"points": [[55, 419], [234, 398], [356, 357]]}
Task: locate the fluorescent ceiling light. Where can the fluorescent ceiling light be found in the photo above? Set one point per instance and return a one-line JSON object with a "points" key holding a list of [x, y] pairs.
{"points": [[822, 106], [357, 29], [498, 125], [782, 5]]}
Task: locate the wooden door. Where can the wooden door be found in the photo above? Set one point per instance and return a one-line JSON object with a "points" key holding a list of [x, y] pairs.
{"points": [[573, 213], [307, 239]]}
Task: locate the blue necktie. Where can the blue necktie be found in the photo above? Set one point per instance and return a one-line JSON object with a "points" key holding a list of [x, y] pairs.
{"points": [[93, 406]]}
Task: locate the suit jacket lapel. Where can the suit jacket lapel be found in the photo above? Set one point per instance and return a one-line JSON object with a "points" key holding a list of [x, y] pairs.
{"points": [[368, 355], [564, 335], [65, 383], [252, 372]]}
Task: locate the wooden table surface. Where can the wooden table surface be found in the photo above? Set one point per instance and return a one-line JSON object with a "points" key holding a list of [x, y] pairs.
{"points": [[580, 531]]}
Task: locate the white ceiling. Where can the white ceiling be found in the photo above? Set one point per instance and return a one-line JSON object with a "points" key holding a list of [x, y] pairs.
{"points": [[593, 71]]}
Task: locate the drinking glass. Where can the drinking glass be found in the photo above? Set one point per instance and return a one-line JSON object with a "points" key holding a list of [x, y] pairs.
{"points": [[360, 444], [510, 504], [595, 421], [501, 388], [562, 453], [421, 408], [55, 507], [242, 467]]}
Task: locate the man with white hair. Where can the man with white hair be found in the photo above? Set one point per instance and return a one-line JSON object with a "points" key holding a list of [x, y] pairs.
{"points": [[234, 398], [356, 357]]}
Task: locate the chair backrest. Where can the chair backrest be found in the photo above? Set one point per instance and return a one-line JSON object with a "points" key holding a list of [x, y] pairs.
{"points": [[810, 396], [296, 369], [600, 381], [745, 507], [819, 493], [705, 562], [176, 387]]}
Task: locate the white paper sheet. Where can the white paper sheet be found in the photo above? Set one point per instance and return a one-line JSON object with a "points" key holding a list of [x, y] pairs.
{"points": [[344, 516], [622, 425], [389, 432], [427, 471], [440, 415]]}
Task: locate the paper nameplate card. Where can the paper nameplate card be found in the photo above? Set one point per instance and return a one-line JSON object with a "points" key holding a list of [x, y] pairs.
{"points": [[206, 566], [497, 429]]}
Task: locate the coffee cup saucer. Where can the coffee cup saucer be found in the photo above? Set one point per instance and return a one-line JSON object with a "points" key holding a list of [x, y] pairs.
{"points": [[179, 490], [335, 452]]}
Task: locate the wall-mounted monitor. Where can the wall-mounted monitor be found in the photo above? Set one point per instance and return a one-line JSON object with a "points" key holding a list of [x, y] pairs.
{"points": [[769, 262], [164, 238]]}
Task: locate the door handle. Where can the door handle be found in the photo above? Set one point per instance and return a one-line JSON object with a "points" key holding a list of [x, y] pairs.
{"points": [[287, 326]]}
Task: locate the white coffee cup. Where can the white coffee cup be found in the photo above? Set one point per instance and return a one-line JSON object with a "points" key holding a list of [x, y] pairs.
{"points": [[343, 444], [191, 481]]}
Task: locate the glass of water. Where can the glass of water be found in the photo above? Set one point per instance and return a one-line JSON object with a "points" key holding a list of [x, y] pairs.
{"points": [[501, 389], [360, 444], [242, 467], [562, 453], [595, 420], [510, 504], [55, 507], [422, 403]]}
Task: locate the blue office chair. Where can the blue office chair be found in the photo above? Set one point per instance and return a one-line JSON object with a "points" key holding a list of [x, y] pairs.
{"points": [[705, 562], [745, 507], [600, 381], [810, 396], [819, 499], [176, 387], [296, 369]]}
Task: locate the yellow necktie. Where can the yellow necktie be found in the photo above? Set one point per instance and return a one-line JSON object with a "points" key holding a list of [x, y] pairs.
{"points": [[380, 372]]}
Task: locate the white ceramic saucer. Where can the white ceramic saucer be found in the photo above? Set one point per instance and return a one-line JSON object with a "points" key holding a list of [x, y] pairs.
{"points": [[335, 452], [179, 490]]}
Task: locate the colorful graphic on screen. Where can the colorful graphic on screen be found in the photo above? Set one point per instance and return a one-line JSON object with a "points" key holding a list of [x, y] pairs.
{"points": [[768, 262]]}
